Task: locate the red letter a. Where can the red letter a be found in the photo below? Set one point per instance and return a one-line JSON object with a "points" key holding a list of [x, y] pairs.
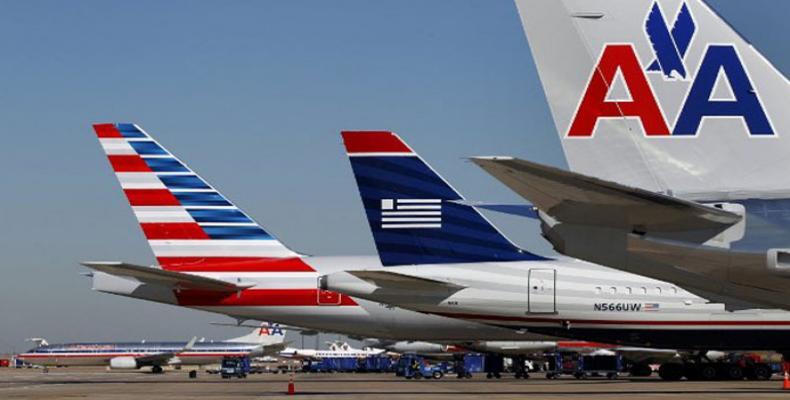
{"points": [[642, 104]]}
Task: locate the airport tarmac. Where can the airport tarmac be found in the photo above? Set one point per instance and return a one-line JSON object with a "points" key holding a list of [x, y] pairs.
{"points": [[95, 383]]}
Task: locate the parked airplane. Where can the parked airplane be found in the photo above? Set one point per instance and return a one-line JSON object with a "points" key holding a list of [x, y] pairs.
{"points": [[336, 349], [676, 130], [262, 341], [214, 257], [442, 256]]}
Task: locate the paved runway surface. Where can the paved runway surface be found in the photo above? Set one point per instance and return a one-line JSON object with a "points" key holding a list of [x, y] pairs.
{"points": [[94, 383]]}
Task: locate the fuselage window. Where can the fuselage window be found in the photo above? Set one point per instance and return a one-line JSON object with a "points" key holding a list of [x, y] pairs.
{"points": [[613, 290], [597, 290], [658, 290]]}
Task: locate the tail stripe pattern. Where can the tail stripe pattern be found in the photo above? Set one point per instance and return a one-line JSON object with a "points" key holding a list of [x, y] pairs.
{"points": [[185, 220]]}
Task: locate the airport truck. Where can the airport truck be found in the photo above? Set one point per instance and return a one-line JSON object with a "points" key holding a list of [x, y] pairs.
{"points": [[237, 367]]}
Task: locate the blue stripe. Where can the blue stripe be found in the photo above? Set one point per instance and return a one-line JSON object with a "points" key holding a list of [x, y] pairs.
{"points": [[230, 215], [148, 148], [236, 232], [129, 131], [201, 199], [183, 182], [165, 165]]}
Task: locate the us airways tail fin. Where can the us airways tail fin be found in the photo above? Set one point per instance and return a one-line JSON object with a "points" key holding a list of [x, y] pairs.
{"points": [[415, 216], [266, 334], [189, 224], [661, 94]]}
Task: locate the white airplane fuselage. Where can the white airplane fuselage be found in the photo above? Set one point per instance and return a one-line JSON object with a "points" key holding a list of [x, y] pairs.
{"points": [[577, 299], [293, 298]]}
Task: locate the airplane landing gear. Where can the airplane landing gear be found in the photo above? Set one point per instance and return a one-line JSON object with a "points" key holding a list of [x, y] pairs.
{"points": [[640, 370], [519, 367]]}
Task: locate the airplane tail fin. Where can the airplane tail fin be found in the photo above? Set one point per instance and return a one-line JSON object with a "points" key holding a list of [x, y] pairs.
{"points": [[267, 334], [416, 217], [189, 225], [660, 94]]}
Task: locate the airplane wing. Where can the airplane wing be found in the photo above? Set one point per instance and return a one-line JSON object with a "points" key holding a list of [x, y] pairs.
{"points": [[521, 210], [163, 277], [392, 280], [273, 349], [699, 259], [579, 199], [164, 357]]}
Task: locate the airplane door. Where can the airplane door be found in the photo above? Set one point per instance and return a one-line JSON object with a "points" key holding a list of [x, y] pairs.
{"points": [[327, 297], [541, 294]]}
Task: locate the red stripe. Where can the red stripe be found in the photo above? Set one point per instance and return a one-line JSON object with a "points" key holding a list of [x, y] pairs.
{"points": [[173, 230], [374, 142], [256, 297], [151, 197], [122, 354], [234, 264], [128, 163], [106, 131], [615, 322]]}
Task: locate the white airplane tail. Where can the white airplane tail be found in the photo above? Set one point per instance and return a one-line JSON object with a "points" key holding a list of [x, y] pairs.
{"points": [[662, 95], [39, 342], [267, 334]]}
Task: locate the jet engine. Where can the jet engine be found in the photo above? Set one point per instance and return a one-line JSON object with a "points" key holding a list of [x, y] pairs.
{"points": [[123, 363], [417, 347]]}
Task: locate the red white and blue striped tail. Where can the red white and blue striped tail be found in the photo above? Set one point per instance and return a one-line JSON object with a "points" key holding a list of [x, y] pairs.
{"points": [[189, 224]]}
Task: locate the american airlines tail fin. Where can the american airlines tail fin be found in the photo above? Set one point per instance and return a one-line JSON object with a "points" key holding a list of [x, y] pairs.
{"points": [[189, 225], [661, 94], [267, 334], [415, 216]]}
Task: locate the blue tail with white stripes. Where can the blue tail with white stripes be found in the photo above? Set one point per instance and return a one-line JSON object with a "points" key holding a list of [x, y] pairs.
{"points": [[416, 217]]}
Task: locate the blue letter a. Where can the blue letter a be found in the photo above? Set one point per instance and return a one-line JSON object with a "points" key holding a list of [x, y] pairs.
{"points": [[745, 103]]}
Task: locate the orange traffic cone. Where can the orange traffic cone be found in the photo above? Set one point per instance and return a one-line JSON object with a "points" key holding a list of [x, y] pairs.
{"points": [[786, 383], [291, 387]]}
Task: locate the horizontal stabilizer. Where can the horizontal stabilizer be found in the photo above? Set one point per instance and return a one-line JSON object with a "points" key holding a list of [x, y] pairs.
{"points": [[162, 277], [698, 259], [579, 199], [396, 281], [521, 210]]}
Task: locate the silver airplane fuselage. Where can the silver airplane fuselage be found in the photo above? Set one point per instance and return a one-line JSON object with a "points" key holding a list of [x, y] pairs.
{"points": [[293, 298]]}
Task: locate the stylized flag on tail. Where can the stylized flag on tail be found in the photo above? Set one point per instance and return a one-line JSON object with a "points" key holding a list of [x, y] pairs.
{"points": [[416, 217], [187, 222]]}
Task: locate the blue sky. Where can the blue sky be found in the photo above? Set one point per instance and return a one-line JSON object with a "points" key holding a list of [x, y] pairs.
{"points": [[252, 94]]}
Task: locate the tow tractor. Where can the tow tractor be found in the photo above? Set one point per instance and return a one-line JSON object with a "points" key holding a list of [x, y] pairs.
{"points": [[415, 367]]}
